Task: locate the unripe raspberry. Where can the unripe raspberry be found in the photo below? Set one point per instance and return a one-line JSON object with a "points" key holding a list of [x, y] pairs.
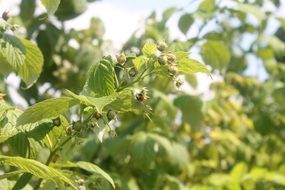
{"points": [[162, 59], [97, 115], [142, 95], [56, 122], [179, 83], [132, 72], [171, 59], [172, 70], [161, 46], [121, 58], [111, 115]]}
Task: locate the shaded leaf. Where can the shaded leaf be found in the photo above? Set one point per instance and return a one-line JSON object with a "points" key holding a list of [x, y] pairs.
{"points": [[185, 22], [191, 109]]}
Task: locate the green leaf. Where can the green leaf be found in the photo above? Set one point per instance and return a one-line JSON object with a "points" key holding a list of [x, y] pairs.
{"points": [[139, 62], [237, 173], [22, 56], [207, 6], [22, 181], [56, 134], [149, 49], [190, 66], [185, 22], [36, 168], [142, 150], [27, 8], [51, 5], [69, 9], [99, 103], [101, 78], [46, 109], [181, 55], [12, 51], [19, 144], [124, 101], [216, 54], [95, 170], [8, 118], [252, 9], [87, 166], [32, 67], [191, 107], [4, 184], [168, 13]]}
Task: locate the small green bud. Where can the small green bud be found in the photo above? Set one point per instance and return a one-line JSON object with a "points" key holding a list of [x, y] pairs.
{"points": [[121, 58], [161, 46]]}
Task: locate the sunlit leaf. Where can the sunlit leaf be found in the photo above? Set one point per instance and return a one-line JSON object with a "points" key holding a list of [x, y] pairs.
{"points": [[101, 78], [46, 109], [149, 49], [216, 54], [36, 168], [51, 5]]}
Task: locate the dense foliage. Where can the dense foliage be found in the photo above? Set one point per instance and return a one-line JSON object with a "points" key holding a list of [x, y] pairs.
{"points": [[98, 121]]}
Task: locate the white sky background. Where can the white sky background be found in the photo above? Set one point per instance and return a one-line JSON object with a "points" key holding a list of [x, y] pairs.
{"points": [[121, 18]]}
